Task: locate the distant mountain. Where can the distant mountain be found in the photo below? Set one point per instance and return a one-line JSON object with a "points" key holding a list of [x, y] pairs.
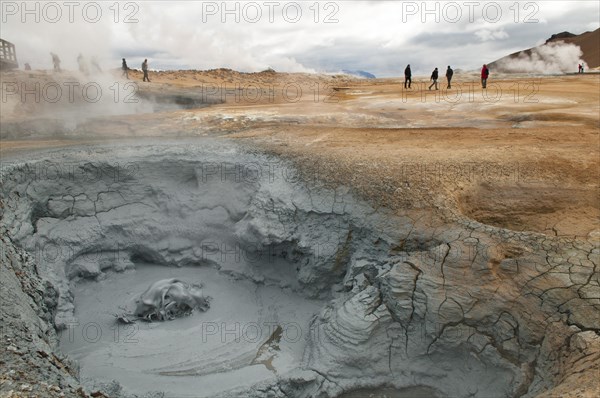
{"points": [[360, 73], [562, 35], [551, 57]]}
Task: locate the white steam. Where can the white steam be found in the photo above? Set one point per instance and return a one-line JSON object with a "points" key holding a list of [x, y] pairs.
{"points": [[549, 58]]}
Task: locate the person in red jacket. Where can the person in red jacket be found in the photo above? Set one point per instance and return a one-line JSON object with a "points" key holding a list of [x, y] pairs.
{"points": [[485, 73]]}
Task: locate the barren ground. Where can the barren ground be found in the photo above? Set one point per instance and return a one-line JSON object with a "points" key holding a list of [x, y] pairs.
{"points": [[522, 156]]}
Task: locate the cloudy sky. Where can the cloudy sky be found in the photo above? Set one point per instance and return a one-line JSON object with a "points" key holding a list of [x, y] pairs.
{"points": [[380, 37]]}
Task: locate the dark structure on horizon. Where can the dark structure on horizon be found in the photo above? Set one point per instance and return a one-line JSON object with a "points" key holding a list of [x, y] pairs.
{"points": [[8, 55]]}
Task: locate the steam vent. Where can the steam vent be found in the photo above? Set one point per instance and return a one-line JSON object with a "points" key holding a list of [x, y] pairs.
{"points": [[205, 202]]}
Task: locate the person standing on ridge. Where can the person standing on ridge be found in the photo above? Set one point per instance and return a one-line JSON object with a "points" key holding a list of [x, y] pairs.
{"points": [[82, 64], [485, 73], [145, 70], [449, 74], [434, 77], [55, 62], [125, 69], [407, 76]]}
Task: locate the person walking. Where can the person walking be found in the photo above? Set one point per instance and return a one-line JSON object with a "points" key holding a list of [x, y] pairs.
{"points": [[407, 76], [434, 77], [145, 70], [82, 64], [485, 73], [55, 62], [449, 74], [125, 69]]}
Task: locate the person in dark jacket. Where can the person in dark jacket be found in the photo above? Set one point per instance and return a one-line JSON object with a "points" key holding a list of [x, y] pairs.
{"points": [[125, 69], [449, 74], [145, 70], [434, 77], [55, 62], [407, 76], [485, 73]]}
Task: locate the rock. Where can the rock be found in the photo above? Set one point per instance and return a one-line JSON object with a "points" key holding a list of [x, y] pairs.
{"points": [[25, 387]]}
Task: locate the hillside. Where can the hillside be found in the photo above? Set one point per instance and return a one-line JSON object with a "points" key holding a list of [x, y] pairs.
{"points": [[589, 42], [553, 56]]}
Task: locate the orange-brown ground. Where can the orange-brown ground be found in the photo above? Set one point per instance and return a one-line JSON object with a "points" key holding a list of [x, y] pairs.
{"points": [[524, 155], [527, 162]]}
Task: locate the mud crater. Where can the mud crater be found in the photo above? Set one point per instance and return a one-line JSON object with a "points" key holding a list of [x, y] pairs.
{"points": [[314, 293]]}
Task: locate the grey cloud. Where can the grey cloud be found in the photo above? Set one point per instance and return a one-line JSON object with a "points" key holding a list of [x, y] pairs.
{"points": [[171, 36]]}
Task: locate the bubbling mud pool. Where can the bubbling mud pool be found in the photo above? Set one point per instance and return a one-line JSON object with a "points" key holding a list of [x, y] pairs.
{"points": [[314, 292], [251, 332]]}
